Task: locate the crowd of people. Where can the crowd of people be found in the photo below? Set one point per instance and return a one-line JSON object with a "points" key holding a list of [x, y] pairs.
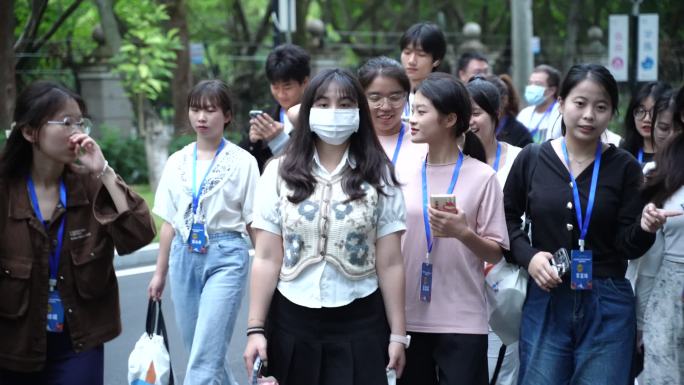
{"points": [[376, 202]]}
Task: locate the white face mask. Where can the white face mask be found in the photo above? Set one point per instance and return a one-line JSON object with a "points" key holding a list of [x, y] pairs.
{"points": [[334, 126]]}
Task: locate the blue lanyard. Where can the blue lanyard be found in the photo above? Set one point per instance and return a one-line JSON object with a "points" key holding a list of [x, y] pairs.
{"points": [[546, 113], [53, 260], [400, 140], [584, 225], [498, 157], [640, 156], [282, 115], [502, 124], [407, 109], [197, 193], [450, 190]]}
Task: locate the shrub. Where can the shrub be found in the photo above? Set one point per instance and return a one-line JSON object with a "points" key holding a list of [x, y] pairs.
{"points": [[125, 154]]}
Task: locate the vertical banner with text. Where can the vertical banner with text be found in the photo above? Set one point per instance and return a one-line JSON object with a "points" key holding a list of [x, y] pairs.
{"points": [[647, 57], [618, 46]]}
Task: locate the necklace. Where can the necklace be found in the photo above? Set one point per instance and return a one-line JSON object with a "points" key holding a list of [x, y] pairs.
{"points": [[580, 162]]}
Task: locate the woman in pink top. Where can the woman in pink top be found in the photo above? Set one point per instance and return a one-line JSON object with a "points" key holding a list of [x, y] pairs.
{"points": [[446, 311], [387, 87]]}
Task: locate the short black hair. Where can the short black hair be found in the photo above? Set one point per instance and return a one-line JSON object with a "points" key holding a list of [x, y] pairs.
{"points": [[288, 62], [428, 36], [467, 57], [553, 76]]}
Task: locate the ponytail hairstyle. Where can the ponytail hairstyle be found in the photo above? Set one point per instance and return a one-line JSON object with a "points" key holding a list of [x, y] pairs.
{"points": [[449, 95], [487, 96], [597, 74], [36, 104]]}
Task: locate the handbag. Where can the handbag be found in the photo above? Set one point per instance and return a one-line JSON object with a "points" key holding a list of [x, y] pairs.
{"points": [[506, 289], [150, 363]]}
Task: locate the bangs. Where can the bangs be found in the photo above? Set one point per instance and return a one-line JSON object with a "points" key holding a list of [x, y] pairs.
{"points": [[210, 93], [345, 88]]}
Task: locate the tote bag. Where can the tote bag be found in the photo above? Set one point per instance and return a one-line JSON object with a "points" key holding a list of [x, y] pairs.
{"points": [[149, 363]]}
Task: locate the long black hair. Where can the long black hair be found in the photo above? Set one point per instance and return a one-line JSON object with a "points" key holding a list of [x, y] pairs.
{"points": [[633, 141], [449, 95], [668, 176], [666, 102], [596, 73], [372, 165], [36, 104], [486, 95]]}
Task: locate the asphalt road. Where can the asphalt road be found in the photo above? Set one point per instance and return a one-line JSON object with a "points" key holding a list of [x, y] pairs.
{"points": [[133, 290]]}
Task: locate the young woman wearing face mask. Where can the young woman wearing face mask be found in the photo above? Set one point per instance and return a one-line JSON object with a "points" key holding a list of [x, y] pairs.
{"points": [[327, 283], [63, 211], [639, 121], [664, 320], [578, 327], [485, 98], [445, 303], [387, 87]]}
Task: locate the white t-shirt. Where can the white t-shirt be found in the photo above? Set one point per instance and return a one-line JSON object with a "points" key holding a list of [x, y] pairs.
{"points": [[226, 200], [549, 124], [322, 285], [505, 168]]}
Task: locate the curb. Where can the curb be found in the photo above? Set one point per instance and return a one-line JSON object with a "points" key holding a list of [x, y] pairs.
{"points": [[143, 257]]}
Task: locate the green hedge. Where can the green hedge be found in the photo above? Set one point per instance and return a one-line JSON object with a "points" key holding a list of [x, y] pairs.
{"points": [[125, 154]]}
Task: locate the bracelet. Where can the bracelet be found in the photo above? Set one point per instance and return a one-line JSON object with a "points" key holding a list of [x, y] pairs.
{"points": [[255, 330], [404, 340], [104, 170]]}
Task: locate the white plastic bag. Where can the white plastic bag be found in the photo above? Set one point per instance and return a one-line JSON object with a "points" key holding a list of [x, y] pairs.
{"points": [[506, 288], [149, 363]]}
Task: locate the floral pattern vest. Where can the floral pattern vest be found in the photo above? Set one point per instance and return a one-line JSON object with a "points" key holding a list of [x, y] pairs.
{"points": [[326, 227]]}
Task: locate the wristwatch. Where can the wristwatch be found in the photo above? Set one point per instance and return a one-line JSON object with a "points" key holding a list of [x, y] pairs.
{"points": [[404, 340]]}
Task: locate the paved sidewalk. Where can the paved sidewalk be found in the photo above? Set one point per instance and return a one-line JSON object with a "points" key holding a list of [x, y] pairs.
{"points": [[143, 257]]}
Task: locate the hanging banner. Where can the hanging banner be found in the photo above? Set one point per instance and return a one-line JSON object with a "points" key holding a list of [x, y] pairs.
{"points": [[618, 46], [647, 54]]}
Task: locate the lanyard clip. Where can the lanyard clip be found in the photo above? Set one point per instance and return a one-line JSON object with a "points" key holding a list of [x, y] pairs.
{"points": [[581, 244], [52, 283]]}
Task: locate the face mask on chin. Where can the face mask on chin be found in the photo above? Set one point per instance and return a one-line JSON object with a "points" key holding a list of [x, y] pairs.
{"points": [[534, 94], [334, 126]]}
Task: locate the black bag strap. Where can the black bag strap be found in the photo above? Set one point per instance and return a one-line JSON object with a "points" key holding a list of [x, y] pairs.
{"points": [[499, 363], [531, 167], [154, 324]]}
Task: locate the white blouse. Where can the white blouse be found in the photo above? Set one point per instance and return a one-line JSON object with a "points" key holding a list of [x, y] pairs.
{"points": [[226, 200], [322, 285]]}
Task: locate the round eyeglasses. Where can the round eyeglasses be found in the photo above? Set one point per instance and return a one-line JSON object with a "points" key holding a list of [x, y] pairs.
{"points": [[640, 113], [395, 100], [73, 126]]}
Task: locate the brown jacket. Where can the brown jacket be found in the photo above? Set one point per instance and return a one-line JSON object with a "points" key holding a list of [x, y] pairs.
{"points": [[85, 280]]}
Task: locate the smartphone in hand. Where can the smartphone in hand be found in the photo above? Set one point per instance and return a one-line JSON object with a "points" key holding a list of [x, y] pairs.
{"points": [[254, 113], [442, 202]]}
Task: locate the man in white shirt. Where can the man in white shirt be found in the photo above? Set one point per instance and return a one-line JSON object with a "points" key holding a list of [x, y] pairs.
{"points": [[542, 116]]}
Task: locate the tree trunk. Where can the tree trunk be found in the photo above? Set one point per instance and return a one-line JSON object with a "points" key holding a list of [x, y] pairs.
{"points": [[157, 139], [110, 29], [7, 83], [570, 46], [182, 76]]}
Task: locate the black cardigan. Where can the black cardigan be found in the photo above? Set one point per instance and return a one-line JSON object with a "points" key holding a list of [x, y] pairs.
{"points": [[614, 235]]}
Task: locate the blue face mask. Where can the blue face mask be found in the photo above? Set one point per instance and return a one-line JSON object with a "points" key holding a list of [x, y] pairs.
{"points": [[534, 94]]}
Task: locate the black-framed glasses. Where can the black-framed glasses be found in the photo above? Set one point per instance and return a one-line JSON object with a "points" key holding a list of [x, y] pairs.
{"points": [[395, 100], [640, 113], [73, 126]]}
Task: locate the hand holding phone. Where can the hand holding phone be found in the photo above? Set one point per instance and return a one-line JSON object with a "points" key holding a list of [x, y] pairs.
{"points": [[254, 113], [442, 202]]}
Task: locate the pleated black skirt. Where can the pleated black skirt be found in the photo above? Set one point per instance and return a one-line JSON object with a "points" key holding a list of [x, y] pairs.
{"points": [[329, 346]]}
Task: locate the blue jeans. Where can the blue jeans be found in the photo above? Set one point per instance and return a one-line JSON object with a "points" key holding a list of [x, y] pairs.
{"points": [[207, 290], [578, 337]]}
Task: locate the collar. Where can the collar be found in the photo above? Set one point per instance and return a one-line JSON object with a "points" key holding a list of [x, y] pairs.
{"points": [[20, 204], [346, 160]]}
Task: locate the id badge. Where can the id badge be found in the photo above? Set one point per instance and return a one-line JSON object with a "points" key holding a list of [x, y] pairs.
{"points": [[55, 313], [581, 274], [426, 282], [197, 242]]}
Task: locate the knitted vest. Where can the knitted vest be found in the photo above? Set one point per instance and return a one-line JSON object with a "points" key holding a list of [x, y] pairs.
{"points": [[325, 227]]}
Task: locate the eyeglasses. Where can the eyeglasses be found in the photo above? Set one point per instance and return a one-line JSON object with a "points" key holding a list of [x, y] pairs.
{"points": [[640, 113], [73, 126], [395, 100]]}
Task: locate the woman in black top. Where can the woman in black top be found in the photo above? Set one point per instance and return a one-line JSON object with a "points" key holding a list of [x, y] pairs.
{"points": [[569, 334]]}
